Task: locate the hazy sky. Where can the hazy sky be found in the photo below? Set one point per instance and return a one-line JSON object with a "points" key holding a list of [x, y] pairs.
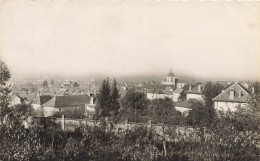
{"points": [[209, 39]]}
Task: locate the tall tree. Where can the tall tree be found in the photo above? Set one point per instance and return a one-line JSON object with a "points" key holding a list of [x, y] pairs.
{"points": [[4, 73], [163, 111], [134, 100], [115, 105], [45, 83], [198, 116], [104, 99], [210, 91], [256, 86], [182, 97], [4, 90]]}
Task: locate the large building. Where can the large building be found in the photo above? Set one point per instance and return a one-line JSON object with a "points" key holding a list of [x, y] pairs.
{"points": [[172, 81], [168, 92], [195, 92]]}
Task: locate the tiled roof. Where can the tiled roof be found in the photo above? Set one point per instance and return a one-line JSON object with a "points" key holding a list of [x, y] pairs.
{"points": [[186, 103], [194, 89], [236, 87], [180, 81], [178, 90], [29, 97], [158, 91], [40, 100], [67, 101], [168, 90]]}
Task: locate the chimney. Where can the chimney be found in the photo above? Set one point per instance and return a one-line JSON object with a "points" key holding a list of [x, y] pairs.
{"points": [[199, 87], [232, 93], [253, 90], [91, 99], [190, 88]]}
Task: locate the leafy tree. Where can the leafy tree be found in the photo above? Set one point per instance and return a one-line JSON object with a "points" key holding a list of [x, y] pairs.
{"points": [[182, 97], [134, 100], [4, 73], [199, 115], [45, 83], [209, 92], [75, 84], [16, 142], [163, 111], [4, 90], [115, 105]]}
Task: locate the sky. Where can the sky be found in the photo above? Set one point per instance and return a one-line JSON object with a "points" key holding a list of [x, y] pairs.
{"points": [[204, 39]]}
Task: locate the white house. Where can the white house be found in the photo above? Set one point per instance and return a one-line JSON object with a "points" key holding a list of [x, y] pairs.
{"points": [[169, 92], [185, 106], [234, 96], [173, 94], [195, 92], [155, 94], [181, 83]]}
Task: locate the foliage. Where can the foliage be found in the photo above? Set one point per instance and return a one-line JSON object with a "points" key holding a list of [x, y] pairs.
{"points": [[4, 90], [108, 99], [182, 96], [75, 113], [134, 100], [4, 73], [198, 116], [230, 136], [209, 92], [103, 106], [115, 105], [163, 111]]}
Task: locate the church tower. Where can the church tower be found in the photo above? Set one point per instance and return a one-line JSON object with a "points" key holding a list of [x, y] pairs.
{"points": [[170, 79]]}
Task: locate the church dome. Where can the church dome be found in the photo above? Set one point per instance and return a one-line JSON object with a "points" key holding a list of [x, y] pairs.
{"points": [[171, 74]]}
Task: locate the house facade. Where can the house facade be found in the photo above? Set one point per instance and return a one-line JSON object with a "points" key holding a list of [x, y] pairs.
{"points": [[37, 104], [234, 96], [168, 92], [185, 106], [155, 94], [195, 92], [60, 103]]}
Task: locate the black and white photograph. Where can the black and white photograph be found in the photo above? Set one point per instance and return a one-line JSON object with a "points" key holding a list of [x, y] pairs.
{"points": [[115, 80]]}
